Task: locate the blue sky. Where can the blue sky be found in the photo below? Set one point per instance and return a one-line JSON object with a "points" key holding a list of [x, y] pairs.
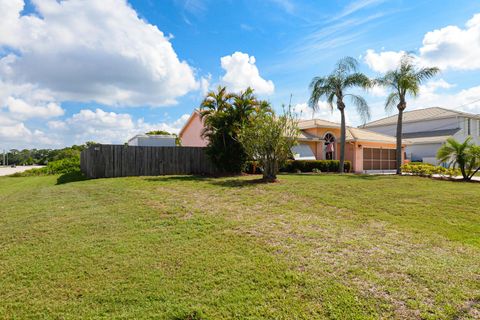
{"points": [[74, 70]]}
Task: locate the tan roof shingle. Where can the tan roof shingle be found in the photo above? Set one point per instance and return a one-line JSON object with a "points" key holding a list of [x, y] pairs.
{"points": [[419, 115]]}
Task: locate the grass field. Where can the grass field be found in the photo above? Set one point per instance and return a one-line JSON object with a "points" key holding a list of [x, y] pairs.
{"points": [[311, 246]]}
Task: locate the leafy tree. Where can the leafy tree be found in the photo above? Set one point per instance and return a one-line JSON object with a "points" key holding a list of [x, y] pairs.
{"points": [[403, 81], [224, 115], [465, 155], [269, 139], [334, 88]]}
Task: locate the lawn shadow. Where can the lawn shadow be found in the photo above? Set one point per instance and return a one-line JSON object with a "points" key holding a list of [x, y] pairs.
{"points": [[365, 176], [71, 177], [240, 183], [178, 178]]}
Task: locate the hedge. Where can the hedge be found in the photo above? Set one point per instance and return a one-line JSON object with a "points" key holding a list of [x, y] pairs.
{"points": [[309, 165], [427, 170]]}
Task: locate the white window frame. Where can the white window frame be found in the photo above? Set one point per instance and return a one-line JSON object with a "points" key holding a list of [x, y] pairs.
{"points": [[468, 126]]}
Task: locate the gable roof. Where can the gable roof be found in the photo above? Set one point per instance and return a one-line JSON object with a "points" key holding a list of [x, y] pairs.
{"points": [[421, 115], [352, 134], [315, 123], [192, 116]]}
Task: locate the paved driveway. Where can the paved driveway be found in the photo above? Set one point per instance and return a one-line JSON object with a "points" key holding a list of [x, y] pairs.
{"points": [[5, 171]]}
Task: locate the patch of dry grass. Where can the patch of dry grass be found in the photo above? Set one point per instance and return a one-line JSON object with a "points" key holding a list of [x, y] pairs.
{"points": [[318, 246]]}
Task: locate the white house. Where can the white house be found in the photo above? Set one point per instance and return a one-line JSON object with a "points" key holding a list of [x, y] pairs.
{"points": [[143, 140], [427, 129]]}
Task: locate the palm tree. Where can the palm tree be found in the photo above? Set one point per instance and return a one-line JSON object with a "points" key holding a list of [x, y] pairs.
{"points": [[403, 81], [334, 88], [465, 155]]}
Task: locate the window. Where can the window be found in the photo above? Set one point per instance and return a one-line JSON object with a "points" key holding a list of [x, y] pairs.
{"points": [[478, 127], [469, 126]]}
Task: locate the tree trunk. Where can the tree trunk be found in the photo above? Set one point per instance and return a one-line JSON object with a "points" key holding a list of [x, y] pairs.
{"points": [[270, 171], [399, 140], [341, 167]]}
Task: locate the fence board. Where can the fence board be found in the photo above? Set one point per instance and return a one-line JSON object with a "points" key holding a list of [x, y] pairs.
{"points": [[104, 161]]}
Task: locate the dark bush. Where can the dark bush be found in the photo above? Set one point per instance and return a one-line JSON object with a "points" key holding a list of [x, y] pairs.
{"points": [[252, 167], [309, 165]]}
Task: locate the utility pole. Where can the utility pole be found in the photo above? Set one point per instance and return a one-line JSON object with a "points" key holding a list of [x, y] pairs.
{"points": [[3, 163]]}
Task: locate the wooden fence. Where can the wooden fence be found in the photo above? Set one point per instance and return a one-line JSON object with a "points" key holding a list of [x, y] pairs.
{"points": [[106, 161]]}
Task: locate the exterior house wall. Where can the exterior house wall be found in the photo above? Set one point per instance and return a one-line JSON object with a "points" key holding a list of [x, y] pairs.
{"points": [[152, 141], [428, 151], [317, 147], [417, 152], [474, 130], [191, 135]]}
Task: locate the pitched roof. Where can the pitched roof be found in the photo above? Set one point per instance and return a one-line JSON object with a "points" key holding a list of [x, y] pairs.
{"points": [[315, 123], [421, 115], [434, 133], [357, 134], [192, 116], [353, 134]]}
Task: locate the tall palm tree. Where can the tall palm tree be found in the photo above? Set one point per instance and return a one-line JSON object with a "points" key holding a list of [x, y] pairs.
{"points": [[403, 81], [334, 88], [465, 155]]}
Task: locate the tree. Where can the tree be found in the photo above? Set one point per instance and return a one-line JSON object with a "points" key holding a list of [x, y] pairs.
{"points": [[269, 139], [224, 115], [403, 81], [334, 88], [465, 156]]}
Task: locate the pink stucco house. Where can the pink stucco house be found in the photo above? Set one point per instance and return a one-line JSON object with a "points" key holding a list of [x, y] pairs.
{"points": [[319, 139]]}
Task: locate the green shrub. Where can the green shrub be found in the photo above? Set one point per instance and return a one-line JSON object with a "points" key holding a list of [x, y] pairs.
{"points": [[427, 170], [309, 165], [417, 163], [63, 166]]}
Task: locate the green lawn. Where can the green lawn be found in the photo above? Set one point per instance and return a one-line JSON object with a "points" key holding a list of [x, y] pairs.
{"points": [[311, 246]]}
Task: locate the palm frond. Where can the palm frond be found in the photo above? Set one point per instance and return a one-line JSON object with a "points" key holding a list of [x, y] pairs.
{"points": [[357, 79], [392, 100], [346, 65], [362, 107], [319, 87]]}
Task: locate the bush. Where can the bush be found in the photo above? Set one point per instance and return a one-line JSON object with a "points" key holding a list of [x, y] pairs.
{"points": [[418, 163], [64, 166], [427, 170], [293, 166]]}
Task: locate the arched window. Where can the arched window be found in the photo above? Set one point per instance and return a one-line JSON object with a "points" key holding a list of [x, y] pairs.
{"points": [[329, 146]]}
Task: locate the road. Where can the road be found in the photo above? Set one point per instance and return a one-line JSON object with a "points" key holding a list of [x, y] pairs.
{"points": [[5, 171]]}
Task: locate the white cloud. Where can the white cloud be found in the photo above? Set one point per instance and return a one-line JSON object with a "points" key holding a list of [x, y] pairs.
{"points": [[383, 61], [107, 127], [85, 51], [21, 109], [241, 73], [453, 47], [463, 100], [324, 112], [14, 134], [450, 47]]}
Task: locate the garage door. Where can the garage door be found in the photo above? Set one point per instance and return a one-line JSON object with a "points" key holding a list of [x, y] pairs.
{"points": [[379, 159]]}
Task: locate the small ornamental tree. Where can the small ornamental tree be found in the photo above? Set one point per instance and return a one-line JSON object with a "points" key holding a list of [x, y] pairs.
{"points": [[465, 156], [268, 139]]}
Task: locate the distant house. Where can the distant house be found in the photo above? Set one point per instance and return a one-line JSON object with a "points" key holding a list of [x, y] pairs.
{"points": [[191, 133], [427, 129], [143, 140], [319, 140]]}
